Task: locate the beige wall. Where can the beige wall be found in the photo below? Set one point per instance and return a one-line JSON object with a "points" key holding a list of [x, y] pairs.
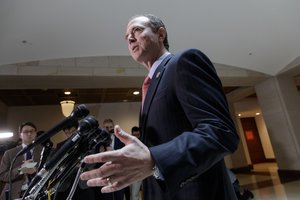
{"points": [[124, 114]]}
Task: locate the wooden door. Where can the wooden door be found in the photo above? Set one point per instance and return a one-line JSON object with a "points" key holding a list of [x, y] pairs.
{"points": [[255, 149]]}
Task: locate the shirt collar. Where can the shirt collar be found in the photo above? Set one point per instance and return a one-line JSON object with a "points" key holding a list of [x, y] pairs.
{"points": [[24, 145], [157, 63]]}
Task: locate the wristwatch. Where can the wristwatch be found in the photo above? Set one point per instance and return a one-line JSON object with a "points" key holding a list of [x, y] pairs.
{"points": [[156, 172]]}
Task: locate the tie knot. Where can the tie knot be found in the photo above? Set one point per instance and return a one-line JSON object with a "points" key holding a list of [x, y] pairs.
{"points": [[147, 80], [146, 84], [145, 88]]}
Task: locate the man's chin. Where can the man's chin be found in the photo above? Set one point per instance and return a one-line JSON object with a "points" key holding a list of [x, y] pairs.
{"points": [[135, 57]]}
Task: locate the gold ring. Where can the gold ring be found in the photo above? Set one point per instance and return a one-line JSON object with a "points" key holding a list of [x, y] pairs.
{"points": [[108, 181]]}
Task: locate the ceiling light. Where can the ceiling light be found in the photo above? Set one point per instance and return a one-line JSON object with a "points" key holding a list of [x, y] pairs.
{"points": [[67, 107], [6, 134], [67, 92], [136, 92]]}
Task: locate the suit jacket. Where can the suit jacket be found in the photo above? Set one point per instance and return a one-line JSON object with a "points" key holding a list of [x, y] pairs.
{"points": [[16, 178], [187, 126]]}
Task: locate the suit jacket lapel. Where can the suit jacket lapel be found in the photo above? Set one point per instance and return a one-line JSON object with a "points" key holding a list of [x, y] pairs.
{"points": [[152, 88]]}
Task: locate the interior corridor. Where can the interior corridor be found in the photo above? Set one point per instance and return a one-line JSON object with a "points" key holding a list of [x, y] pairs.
{"points": [[265, 184]]}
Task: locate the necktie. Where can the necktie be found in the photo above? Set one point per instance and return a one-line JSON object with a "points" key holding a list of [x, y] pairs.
{"points": [[145, 88], [28, 157]]}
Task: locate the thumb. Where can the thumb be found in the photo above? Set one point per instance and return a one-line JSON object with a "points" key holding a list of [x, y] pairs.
{"points": [[122, 135]]}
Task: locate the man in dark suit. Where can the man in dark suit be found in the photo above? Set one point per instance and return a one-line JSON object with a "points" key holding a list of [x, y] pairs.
{"points": [[185, 125], [20, 176]]}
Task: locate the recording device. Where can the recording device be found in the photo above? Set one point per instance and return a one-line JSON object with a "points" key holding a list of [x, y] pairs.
{"points": [[87, 136], [86, 126], [78, 113]]}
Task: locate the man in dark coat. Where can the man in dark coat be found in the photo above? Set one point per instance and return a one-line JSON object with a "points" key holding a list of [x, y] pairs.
{"points": [[185, 124]]}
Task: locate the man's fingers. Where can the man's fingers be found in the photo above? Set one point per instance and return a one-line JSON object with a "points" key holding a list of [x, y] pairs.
{"points": [[102, 157], [106, 170], [96, 182], [91, 174], [109, 184], [122, 135]]}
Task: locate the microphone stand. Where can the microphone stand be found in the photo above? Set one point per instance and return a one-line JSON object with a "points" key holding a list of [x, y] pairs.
{"points": [[53, 174], [74, 186], [45, 154]]}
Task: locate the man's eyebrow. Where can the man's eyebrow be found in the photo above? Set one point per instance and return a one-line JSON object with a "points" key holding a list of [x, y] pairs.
{"points": [[127, 34]]}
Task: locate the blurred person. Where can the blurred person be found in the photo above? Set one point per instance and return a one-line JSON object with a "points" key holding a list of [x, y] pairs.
{"points": [[65, 187], [109, 125], [185, 124], [135, 131], [21, 175], [136, 186]]}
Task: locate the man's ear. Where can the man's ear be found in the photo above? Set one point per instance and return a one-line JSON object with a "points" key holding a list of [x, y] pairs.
{"points": [[162, 33]]}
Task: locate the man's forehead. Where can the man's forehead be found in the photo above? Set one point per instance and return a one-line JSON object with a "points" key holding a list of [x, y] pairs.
{"points": [[138, 20], [28, 127], [108, 124]]}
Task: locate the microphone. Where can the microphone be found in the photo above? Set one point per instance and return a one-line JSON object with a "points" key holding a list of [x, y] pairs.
{"points": [[85, 127], [103, 139], [78, 113]]}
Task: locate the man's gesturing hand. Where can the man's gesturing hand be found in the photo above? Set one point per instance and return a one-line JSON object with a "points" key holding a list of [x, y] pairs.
{"points": [[121, 167]]}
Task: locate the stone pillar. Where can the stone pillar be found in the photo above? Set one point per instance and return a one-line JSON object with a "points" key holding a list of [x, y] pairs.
{"points": [[280, 104]]}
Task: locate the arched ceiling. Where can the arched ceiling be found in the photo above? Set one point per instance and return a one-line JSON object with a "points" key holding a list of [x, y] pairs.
{"points": [[61, 44], [262, 36]]}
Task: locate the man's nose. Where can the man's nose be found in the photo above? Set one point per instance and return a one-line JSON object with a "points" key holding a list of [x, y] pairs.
{"points": [[131, 38]]}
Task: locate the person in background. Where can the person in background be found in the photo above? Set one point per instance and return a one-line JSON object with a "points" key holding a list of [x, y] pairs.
{"points": [[66, 186], [135, 187], [185, 124], [82, 190], [135, 131], [109, 125], [22, 172], [68, 131]]}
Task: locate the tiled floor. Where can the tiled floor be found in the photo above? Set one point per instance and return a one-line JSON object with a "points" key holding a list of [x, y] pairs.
{"points": [[265, 184]]}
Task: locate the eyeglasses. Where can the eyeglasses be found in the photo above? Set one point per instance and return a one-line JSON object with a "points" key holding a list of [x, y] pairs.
{"points": [[28, 131]]}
